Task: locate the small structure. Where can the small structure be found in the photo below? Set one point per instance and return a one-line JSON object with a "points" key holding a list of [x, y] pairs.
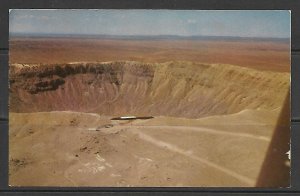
{"points": [[128, 117], [131, 117]]}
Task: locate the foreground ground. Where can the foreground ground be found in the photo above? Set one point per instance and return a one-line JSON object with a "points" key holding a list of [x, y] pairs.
{"points": [[84, 149]]}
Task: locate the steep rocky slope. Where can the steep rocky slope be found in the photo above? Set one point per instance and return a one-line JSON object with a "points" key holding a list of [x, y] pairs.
{"points": [[181, 89]]}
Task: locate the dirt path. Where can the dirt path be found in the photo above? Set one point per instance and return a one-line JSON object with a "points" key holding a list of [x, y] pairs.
{"points": [[173, 148], [202, 129], [161, 144]]}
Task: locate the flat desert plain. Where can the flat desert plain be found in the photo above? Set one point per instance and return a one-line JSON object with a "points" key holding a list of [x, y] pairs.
{"points": [[260, 54], [215, 105]]}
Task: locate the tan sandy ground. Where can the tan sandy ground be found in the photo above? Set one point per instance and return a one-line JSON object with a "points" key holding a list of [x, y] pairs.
{"points": [[66, 149]]}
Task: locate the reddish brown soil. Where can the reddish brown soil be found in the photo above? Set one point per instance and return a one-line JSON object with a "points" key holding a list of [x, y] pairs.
{"points": [[264, 55]]}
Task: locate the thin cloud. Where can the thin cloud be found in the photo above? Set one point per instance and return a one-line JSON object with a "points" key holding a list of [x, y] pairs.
{"points": [[153, 22]]}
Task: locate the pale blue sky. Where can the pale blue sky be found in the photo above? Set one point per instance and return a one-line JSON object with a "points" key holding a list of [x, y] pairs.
{"points": [[152, 22]]}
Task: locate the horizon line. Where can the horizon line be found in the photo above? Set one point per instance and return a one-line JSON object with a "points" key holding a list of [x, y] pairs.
{"points": [[137, 35]]}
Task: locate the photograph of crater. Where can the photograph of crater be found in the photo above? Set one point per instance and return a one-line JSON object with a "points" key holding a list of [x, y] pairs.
{"points": [[149, 98]]}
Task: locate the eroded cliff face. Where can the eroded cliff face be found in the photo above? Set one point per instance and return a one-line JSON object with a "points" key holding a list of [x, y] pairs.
{"points": [[180, 89]]}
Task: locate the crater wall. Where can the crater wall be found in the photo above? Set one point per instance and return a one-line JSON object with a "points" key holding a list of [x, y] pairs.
{"points": [[182, 89]]}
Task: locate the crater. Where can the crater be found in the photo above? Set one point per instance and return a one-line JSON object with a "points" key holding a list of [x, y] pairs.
{"points": [[129, 88]]}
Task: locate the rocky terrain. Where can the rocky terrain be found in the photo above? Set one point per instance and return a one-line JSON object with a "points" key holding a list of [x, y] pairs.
{"points": [[179, 89], [212, 123], [216, 105], [86, 149]]}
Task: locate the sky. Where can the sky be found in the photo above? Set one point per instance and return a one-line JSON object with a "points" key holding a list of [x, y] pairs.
{"points": [[270, 24]]}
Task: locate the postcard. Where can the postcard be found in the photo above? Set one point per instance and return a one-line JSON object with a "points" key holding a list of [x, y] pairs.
{"points": [[149, 98]]}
